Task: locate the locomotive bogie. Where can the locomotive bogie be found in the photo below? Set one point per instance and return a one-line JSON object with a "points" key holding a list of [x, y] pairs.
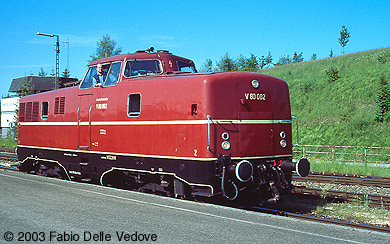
{"points": [[154, 128]]}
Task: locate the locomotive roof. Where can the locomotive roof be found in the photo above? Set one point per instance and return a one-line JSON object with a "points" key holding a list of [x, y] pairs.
{"points": [[141, 54]]}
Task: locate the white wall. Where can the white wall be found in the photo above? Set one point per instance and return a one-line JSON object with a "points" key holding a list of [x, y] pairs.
{"points": [[8, 113]]}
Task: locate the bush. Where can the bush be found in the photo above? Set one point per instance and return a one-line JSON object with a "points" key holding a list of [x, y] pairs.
{"points": [[383, 102], [332, 73], [8, 142]]}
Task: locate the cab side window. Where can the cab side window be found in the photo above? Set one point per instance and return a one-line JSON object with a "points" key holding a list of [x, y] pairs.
{"points": [[186, 67], [45, 110], [134, 105], [88, 80], [113, 74]]}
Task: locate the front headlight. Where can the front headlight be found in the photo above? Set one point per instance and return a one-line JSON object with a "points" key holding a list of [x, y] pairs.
{"points": [[283, 143], [225, 136], [225, 145]]}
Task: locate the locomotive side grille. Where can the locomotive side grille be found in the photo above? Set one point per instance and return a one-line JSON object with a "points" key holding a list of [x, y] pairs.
{"points": [[35, 112], [28, 112], [56, 105], [22, 112], [62, 105], [59, 105]]}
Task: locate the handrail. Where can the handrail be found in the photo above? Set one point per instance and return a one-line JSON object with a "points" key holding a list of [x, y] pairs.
{"points": [[89, 127], [208, 132], [78, 128]]}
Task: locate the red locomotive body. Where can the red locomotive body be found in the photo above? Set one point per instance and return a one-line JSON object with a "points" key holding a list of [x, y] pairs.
{"points": [[156, 125]]}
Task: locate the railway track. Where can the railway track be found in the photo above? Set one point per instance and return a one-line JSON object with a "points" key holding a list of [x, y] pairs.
{"points": [[10, 155], [319, 219], [345, 180], [371, 199]]}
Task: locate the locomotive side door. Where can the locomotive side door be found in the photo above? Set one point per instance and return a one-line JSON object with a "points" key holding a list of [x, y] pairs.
{"points": [[84, 122]]}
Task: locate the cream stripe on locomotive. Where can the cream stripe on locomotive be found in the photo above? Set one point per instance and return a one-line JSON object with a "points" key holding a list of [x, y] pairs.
{"points": [[68, 151], [167, 122]]}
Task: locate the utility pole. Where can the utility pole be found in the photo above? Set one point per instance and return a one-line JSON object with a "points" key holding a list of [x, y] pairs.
{"points": [[57, 56]]}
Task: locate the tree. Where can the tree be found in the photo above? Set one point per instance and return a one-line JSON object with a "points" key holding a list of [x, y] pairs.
{"points": [[344, 37], [27, 88], [42, 72], [268, 59], [297, 57], [106, 48], [66, 73], [248, 64], [265, 61], [284, 60], [331, 53], [207, 66], [314, 56], [227, 64]]}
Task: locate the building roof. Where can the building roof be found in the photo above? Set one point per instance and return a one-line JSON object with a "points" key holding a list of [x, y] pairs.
{"points": [[40, 83]]}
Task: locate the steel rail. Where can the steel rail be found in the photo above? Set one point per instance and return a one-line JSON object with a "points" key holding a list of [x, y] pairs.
{"points": [[319, 219], [8, 150], [345, 180], [371, 199], [8, 157]]}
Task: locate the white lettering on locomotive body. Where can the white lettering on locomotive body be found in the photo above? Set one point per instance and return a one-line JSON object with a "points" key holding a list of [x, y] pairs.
{"points": [[255, 96], [109, 157], [100, 99], [101, 106]]}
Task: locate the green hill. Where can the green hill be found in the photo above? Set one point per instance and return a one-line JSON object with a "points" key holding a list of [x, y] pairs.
{"points": [[340, 112]]}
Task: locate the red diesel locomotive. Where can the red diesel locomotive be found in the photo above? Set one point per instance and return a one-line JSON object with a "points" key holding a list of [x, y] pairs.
{"points": [[155, 125]]}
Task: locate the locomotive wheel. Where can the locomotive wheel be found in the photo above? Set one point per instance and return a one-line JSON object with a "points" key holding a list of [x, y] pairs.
{"points": [[114, 179], [50, 170]]}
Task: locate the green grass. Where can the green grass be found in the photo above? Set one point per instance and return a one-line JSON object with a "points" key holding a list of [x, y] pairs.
{"points": [[340, 112], [357, 211], [349, 168], [8, 143]]}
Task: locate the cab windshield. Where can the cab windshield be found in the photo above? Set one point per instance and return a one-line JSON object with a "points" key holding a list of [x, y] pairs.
{"points": [[142, 67]]}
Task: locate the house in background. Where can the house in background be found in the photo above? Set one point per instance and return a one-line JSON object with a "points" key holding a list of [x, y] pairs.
{"points": [[10, 105], [8, 114], [41, 83]]}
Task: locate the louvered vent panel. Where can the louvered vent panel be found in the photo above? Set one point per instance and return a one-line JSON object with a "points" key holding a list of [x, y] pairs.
{"points": [[28, 112], [59, 105], [56, 105], [35, 112], [22, 111], [62, 105]]}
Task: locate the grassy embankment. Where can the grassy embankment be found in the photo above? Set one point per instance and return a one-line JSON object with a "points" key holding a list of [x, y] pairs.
{"points": [[340, 112]]}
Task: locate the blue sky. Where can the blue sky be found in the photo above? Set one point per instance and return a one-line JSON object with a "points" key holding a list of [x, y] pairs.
{"points": [[198, 30]]}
